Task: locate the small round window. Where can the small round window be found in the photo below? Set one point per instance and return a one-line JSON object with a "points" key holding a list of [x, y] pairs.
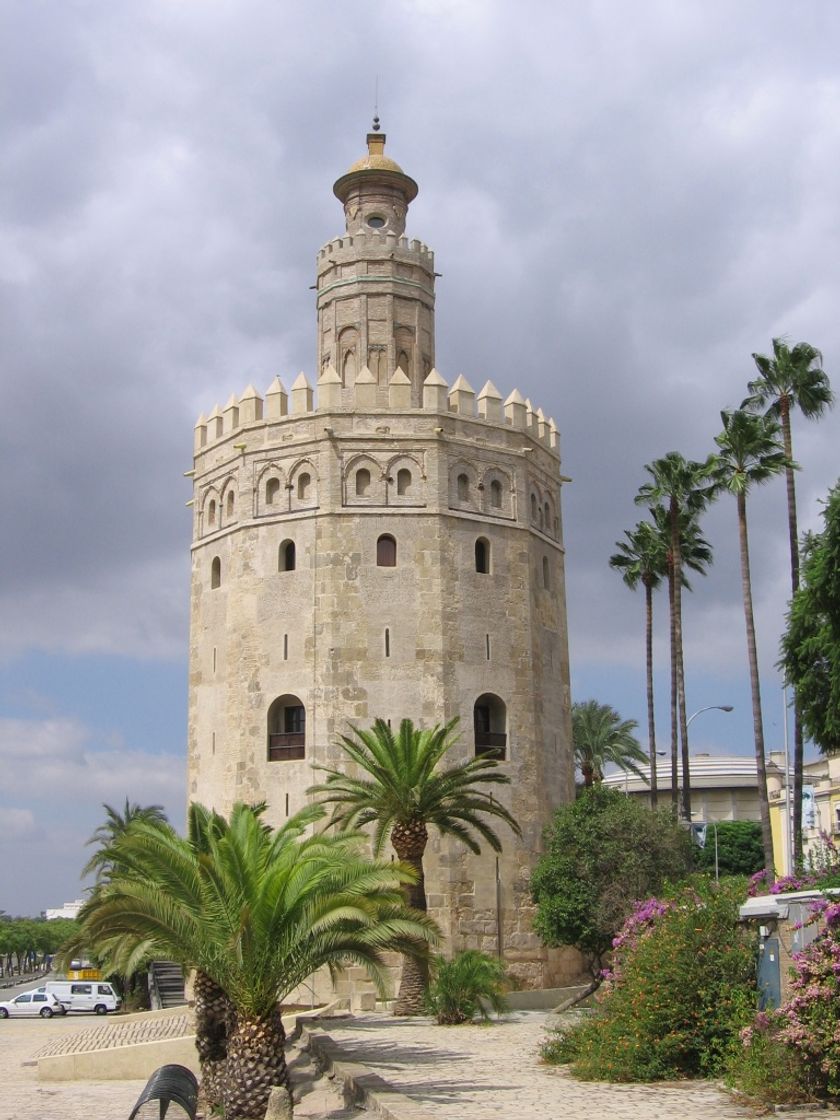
{"points": [[375, 221]]}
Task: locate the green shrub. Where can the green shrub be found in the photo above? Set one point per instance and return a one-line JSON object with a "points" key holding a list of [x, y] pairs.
{"points": [[603, 851], [465, 986], [740, 851], [682, 987], [768, 1070]]}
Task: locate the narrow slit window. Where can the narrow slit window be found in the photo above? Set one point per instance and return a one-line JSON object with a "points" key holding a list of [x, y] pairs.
{"points": [[216, 573], [496, 494], [286, 557], [463, 488], [362, 482], [482, 556], [387, 642], [229, 503], [487, 645], [546, 569], [285, 647], [211, 512], [304, 486], [386, 551]]}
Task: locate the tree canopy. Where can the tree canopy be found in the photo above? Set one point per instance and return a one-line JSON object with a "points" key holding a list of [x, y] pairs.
{"points": [[811, 642], [603, 852]]}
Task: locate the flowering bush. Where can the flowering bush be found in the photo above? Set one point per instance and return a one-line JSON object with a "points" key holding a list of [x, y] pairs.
{"points": [[794, 1053], [682, 986]]}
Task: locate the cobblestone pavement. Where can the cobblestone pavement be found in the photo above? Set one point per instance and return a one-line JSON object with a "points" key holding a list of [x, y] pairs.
{"points": [[23, 1095], [478, 1072], [446, 1073]]}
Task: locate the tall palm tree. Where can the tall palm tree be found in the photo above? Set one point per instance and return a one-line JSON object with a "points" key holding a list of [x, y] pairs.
{"points": [[682, 484], [114, 825], [792, 378], [643, 558], [401, 790], [750, 452], [257, 911], [601, 736]]}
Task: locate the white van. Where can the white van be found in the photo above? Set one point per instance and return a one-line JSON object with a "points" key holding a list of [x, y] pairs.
{"points": [[84, 995]]}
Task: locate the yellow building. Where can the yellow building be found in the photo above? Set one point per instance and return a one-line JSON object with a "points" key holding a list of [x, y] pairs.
{"points": [[820, 808]]}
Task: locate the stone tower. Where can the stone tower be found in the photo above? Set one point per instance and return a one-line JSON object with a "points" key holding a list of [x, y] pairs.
{"points": [[393, 549]]}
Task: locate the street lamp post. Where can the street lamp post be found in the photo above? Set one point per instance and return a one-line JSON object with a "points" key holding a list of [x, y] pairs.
{"points": [[694, 715]]}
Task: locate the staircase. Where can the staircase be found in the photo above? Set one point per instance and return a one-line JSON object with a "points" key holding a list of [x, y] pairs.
{"points": [[166, 984]]}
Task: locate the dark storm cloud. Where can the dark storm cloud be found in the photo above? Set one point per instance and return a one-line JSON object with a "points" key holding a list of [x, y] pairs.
{"points": [[625, 201]]}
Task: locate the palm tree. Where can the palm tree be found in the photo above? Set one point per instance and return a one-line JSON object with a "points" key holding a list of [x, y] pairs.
{"points": [[750, 452], [683, 485], [402, 790], [643, 558], [114, 826], [601, 736], [792, 378], [256, 911]]}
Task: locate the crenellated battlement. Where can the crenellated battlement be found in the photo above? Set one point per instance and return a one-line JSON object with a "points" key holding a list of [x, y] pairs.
{"points": [[279, 405], [369, 240]]}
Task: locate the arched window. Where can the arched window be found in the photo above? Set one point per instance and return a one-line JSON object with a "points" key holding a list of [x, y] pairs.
{"points": [[546, 574], [496, 494], [547, 517], [386, 551], [229, 501], [362, 482], [286, 729], [286, 557], [211, 512], [403, 481], [482, 555], [304, 485], [272, 490], [463, 488], [215, 573], [534, 508], [490, 726]]}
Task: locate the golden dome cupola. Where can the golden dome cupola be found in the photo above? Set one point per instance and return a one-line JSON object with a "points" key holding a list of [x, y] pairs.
{"points": [[375, 192]]}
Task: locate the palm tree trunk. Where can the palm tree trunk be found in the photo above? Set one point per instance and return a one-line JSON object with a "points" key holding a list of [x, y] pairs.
{"points": [[675, 779], [793, 535], [649, 675], [256, 1063], [409, 842], [215, 1019], [755, 687], [676, 548]]}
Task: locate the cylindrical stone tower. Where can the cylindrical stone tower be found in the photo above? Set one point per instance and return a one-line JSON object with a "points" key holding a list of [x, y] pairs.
{"points": [[393, 550]]}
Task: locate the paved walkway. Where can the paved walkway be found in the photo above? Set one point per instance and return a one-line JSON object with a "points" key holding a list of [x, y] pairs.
{"points": [[439, 1073], [479, 1072]]}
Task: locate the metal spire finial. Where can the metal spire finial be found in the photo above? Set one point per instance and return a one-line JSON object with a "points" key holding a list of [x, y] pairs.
{"points": [[376, 125]]}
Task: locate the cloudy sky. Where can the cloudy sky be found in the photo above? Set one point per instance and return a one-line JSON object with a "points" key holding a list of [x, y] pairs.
{"points": [[625, 200]]}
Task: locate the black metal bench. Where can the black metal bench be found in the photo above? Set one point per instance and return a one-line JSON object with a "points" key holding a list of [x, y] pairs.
{"points": [[170, 1084]]}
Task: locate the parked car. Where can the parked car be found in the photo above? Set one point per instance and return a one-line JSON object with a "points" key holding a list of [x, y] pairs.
{"points": [[84, 995], [44, 1004]]}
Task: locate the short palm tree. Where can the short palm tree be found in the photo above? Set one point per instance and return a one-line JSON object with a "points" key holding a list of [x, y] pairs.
{"points": [[750, 452], [402, 789], [600, 736], [683, 486], [256, 911], [114, 825], [793, 378], [465, 986]]}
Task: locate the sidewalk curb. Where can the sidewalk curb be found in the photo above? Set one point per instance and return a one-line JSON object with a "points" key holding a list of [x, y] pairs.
{"points": [[362, 1087]]}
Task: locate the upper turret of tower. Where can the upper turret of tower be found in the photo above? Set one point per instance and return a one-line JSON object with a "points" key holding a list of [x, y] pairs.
{"points": [[375, 191]]}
